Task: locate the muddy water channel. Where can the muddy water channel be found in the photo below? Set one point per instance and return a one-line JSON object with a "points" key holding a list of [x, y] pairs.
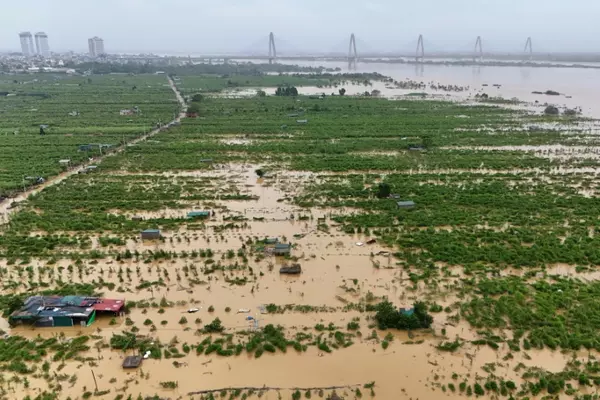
{"points": [[339, 273]]}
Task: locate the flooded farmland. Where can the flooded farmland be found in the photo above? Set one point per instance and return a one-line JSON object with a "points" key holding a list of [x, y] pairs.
{"points": [[256, 255]]}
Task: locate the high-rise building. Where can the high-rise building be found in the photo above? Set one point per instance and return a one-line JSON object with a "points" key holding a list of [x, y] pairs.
{"points": [[27, 44], [96, 46], [41, 44]]}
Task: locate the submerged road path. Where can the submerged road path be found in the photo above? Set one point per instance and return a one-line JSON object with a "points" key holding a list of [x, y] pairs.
{"points": [[5, 206]]}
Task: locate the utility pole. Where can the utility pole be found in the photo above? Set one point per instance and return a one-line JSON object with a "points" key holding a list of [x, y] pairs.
{"points": [[94, 376]]}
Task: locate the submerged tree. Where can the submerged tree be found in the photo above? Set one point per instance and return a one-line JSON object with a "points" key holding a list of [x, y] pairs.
{"points": [[383, 190], [286, 91], [427, 141], [193, 108], [388, 316]]}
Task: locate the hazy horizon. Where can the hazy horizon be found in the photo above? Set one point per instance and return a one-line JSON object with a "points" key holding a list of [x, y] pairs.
{"points": [[236, 26]]}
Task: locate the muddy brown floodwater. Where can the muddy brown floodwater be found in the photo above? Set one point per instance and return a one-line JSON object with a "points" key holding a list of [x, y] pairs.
{"points": [[337, 269]]}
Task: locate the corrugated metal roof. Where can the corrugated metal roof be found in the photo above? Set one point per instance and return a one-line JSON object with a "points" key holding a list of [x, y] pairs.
{"points": [[198, 214], [151, 231], [406, 203]]}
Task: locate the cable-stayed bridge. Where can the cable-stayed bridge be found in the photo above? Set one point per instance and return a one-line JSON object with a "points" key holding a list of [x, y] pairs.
{"points": [[353, 50]]}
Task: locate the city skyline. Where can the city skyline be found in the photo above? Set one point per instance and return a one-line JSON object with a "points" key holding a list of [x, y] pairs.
{"points": [[26, 40], [41, 44], [95, 46], [384, 25]]}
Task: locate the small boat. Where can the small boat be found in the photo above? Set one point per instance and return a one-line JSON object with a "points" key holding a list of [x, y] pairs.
{"points": [[193, 310], [243, 310]]}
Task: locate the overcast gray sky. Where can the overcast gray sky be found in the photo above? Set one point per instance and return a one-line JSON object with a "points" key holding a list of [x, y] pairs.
{"points": [[201, 26]]}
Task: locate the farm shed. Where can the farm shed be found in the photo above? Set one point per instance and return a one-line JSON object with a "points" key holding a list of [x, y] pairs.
{"points": [[406, 204], [302, 121], [132, 362], [85, 147], [51, 311], [271, 241], [198, 214], [293, 269], [150, 234], [282, 249], [206, 160]]}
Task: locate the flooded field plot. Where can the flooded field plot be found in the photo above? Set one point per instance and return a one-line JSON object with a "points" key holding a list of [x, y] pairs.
{"points": [[337, 247]]}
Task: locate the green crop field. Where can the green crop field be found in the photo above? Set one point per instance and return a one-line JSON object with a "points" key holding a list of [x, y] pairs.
{"points": [[28, 101]]}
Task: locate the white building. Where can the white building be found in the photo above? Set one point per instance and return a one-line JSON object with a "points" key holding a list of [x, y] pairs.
{"points": [[96, 46], [41, 44], [26, 44]]}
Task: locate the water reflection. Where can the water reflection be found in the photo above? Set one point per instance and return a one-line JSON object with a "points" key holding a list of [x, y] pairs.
{"points": [[419, 70]]}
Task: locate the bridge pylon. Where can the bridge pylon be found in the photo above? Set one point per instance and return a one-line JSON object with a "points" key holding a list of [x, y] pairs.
{"points": [[352, 54], [478, 51], [528, 51], [420, 54], [272, 50]]}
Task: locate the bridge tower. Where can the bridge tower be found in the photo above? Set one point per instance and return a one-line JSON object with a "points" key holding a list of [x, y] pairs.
{"points": [[352, 54], [478, 51], [530, 51], [272, 50], [420, 55]]}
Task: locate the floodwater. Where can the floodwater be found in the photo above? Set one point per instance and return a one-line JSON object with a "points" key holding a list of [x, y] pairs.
{"points": [[337, 270], [582, 85]]}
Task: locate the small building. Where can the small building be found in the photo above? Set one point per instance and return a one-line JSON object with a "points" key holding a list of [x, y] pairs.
{"points": [[293, 115], [85, 147], [91, 168], [271, 241], [302, 121], [198, 214], [132, 362], [53, 311], [293, 269], [415, 148], [394, 196], [150, 234], [406, 204], [206, 160], [126, 112], [282, 249]]}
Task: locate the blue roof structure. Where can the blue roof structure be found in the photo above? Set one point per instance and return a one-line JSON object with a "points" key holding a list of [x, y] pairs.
{"points": [[407, 311], [196, 214]]}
